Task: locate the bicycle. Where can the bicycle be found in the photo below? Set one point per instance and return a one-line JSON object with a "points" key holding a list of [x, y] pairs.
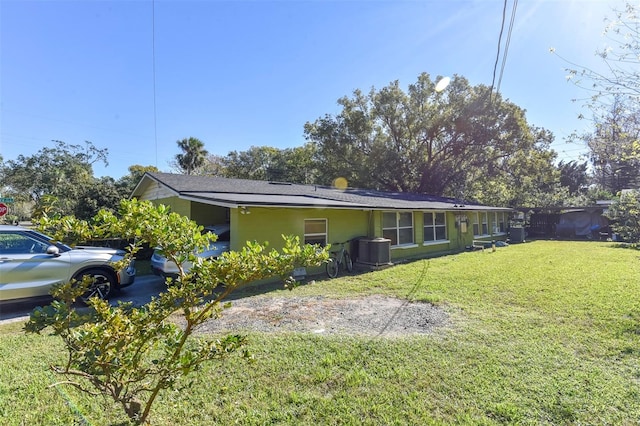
{"points": [[339, 258]]}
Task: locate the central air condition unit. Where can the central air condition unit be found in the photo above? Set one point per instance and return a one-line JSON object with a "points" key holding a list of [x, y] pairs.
{"points": [[363, 250], [379, 251], [516, 234]]}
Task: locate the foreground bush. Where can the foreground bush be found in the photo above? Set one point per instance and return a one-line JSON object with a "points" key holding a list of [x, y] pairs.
{"points": [[130, 354]]}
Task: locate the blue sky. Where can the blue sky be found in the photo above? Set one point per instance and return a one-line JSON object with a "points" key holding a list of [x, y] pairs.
{"points": [[241, 73]]}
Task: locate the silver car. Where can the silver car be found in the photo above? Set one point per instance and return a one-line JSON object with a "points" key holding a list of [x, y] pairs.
{"points": [[31, 263], [166, 268]]}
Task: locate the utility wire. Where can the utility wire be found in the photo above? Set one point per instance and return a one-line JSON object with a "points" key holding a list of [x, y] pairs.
{"points": [[495, 65], [153, 60], [506, 47], [506, 44]]}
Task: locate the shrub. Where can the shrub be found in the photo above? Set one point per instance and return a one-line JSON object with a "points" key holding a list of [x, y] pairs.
{"points": [[131, 354]]}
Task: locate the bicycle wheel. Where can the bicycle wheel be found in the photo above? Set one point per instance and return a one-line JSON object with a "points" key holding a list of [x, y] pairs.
{"points": [[332, 267], [348, 262]]}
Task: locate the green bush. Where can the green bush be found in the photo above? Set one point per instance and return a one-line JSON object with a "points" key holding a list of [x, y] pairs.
{"points": [[130, 354], [624, 215]]}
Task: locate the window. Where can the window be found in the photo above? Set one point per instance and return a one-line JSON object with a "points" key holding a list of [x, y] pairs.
{"points": [[476, 224], [435, 226], [18, 243], [315, 231], [498, 222], [480, 224], [485, 224], [398, 227], [494, 223]]}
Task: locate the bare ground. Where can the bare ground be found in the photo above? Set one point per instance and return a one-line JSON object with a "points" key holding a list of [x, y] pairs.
{"points": [[372, 316]]}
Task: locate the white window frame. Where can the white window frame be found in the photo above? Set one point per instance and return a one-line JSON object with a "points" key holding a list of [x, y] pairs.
{"points": [[481, 223], [432, 228], [398, 228], [475, 226], [494, 223], [501, 223], [315, 235], [485, 223]]}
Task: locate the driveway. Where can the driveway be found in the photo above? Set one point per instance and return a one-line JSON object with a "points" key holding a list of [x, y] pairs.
{"points": [[140, 292]]}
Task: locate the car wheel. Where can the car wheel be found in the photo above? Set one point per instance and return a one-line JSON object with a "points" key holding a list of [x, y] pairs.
{"points": [[103, 283]]}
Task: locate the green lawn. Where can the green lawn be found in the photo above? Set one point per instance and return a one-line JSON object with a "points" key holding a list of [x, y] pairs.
{"points": [[541, 333]]}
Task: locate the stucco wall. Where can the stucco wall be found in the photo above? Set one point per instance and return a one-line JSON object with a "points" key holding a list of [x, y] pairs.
{"points": [[269, 224], [457, 240], [177, 205]]}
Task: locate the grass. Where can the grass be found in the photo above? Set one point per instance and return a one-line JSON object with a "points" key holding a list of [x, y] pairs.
{"points": [[540, 333]]}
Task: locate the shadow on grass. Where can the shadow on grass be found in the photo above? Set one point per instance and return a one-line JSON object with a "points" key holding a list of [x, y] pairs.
{"points": [[632, 246], [268, 287]]}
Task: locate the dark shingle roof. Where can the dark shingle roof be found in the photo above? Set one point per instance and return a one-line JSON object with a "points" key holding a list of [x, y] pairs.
{"points": [[254, 192]]}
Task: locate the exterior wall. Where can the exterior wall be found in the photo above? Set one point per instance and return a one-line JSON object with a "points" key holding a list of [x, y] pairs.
{"points": [[154, 191], [159, 194], [177, 205], [458, 238], [492, 234], [203, 214], [269, 224]]}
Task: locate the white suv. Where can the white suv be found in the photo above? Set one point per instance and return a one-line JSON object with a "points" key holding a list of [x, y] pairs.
{"points": [[31, 263]]}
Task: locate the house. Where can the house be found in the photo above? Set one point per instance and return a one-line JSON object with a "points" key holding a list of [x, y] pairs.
{"points": [[412, 225]]}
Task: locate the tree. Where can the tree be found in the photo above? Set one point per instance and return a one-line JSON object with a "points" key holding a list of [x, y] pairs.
{"points": [[193, 155], [98, 194], [620, 77], [574, 176], [130, 354], [64, 172], [251, 164], [442, 143], [614, 146], [624, 214], [295, 165], [614, 96], [127, 184], [213, 166]]}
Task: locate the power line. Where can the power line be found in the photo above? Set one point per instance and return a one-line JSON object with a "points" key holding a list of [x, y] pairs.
{"points": [[507, 42], [153, 60], [495, 65]]}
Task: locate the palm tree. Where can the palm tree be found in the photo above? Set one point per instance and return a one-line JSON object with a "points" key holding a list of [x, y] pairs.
{"points": [[193, 154]]}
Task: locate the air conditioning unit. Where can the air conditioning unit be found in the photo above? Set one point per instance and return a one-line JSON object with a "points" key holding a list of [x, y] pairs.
{"points": [[516, 234], [379, 251], [363, 250]]}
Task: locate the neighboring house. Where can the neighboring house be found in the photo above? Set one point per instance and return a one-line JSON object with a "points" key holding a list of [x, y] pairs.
{"points": [[415, 225]]}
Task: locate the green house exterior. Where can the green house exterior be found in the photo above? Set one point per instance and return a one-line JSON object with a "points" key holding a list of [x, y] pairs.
{"points": [[414, 225]]}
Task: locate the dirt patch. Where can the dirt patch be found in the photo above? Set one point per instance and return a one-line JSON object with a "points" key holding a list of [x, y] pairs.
{"points": [[373, 315]]}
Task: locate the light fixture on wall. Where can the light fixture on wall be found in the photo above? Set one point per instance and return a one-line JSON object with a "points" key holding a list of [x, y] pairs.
{"points": [[244, 210]]}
